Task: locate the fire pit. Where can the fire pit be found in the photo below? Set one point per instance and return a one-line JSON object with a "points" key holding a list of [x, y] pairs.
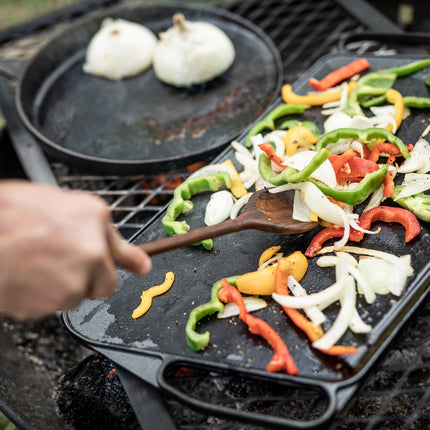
{"points": [[47, 376]]}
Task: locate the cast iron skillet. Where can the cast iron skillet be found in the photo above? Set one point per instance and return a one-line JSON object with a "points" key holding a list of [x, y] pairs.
{"points": [[140, 124], [151, 346]]}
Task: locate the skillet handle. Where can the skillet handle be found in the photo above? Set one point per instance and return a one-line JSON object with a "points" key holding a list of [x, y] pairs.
{"points": [[12, 69], [244, 413], [31, 156]]}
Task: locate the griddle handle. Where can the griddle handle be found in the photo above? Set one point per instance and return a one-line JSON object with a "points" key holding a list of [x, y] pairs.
{"points": [[330, 391], [146, 401]]}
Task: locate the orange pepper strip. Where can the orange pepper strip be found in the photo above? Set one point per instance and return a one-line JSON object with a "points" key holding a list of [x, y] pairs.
{"points": [[147, 296], [312, 331], [313, 99], [281, 359]]}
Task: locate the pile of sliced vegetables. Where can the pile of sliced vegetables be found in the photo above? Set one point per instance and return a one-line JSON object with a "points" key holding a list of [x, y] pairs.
{"points": [[356, 159]]}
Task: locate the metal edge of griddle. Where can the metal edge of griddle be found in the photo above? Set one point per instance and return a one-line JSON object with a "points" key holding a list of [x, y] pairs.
{"points": [[370, 16], [388, 37], [31, 156], [344, 390]]}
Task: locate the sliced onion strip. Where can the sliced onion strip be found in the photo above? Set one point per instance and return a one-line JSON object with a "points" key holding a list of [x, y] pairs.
{"points": [[342, 321], [313, 313], [252, 304]]}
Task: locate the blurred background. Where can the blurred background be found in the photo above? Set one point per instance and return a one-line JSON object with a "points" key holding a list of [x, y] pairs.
{"points": [[413, 15]]}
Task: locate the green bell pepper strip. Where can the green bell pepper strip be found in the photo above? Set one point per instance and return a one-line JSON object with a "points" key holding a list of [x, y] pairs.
{"points": [[417, 102], [409, 101], [374, 101], [370, 183], [181, 204], [268, 122], [369, 85], [418, 204], [198, 341], [410, 68], [365, 136], [290, 123], [428, 81], [289, 174]]}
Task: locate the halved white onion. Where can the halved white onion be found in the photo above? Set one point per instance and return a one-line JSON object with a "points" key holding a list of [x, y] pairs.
{"points": [[120, 49]]}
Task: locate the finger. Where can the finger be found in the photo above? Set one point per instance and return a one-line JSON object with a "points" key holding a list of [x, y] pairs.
{"points": [[103, 280], [130, 257]]}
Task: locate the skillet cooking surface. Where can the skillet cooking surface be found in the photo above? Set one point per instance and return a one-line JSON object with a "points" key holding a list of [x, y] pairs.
{"points": [[161, 331], [139, 121]]}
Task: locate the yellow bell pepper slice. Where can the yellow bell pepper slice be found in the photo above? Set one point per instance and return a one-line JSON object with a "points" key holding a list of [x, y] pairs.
{"points": [[299, 136], [316, 99], [394, 97], [267, 254], [262, 282], [237, 187], [147, 295]]}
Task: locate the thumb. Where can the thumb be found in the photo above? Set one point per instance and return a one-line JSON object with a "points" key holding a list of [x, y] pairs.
{"points": [[131, 257]]}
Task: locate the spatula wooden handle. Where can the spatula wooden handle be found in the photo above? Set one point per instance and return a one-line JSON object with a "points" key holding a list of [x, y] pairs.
{"points": [[193, 236]]}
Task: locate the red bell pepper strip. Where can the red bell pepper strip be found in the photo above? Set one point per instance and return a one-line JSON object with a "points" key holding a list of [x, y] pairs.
{"points": [[339, 75], [270, 151], [381, 213], [386, 148], [358, 168], [312, 331], [281, 359], [338, 161], [392, 214], [330, 233]]}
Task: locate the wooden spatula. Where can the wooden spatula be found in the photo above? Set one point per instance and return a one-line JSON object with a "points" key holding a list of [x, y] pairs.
{"points": [[264, 211]]}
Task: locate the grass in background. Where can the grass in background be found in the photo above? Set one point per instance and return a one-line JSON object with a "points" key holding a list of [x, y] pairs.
{"points": [[13, 12]]}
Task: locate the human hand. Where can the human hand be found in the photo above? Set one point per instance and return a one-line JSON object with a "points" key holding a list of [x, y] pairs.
{"points": [[57, 248]]}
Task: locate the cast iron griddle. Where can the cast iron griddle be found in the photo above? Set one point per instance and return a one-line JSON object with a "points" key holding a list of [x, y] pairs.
{"points": [[141, 124], [160, 333]]}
